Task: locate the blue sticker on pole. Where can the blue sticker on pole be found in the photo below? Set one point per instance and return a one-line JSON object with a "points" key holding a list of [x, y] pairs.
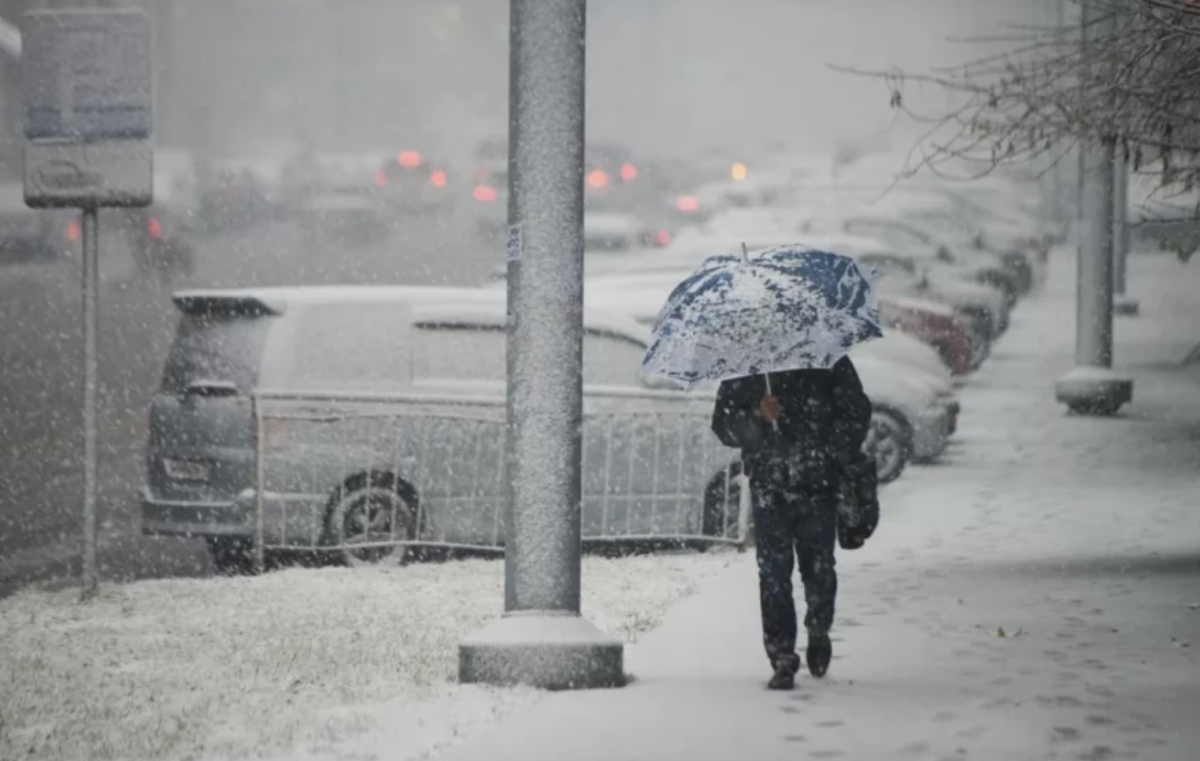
{"points": [[514, 244]]}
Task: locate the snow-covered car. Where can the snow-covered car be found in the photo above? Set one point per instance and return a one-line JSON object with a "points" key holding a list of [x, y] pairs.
{"points": [[912, 417], [936, 325], [982, 309], [919, 412], [954, 256], [978, 233], [890, 248], [902, 348], [877, 244], [388, 403]]}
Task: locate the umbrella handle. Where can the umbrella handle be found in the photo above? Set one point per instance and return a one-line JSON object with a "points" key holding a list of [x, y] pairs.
{"points": [[774, 423]]}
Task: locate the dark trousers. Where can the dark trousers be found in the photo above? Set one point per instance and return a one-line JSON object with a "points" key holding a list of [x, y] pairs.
{"points": [[794, 520]]}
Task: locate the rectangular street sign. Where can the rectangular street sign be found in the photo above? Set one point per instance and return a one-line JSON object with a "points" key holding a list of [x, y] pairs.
{"points": [[87, 92]]}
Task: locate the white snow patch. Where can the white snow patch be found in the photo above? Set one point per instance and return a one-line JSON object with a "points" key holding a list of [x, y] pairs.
{"points": [[302, 664]]}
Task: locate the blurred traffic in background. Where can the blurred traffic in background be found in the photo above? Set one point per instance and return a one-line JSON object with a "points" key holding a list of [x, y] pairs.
{"points": [[360, 143]]}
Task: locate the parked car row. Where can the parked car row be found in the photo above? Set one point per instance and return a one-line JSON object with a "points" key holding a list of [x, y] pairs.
{"points": [[365, 421]]}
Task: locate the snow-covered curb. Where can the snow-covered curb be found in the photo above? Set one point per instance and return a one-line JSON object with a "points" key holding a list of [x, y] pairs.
{"points": [[291, 665]]}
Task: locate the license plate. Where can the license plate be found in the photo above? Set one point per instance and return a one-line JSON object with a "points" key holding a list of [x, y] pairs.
{"points": [[186, 470]]}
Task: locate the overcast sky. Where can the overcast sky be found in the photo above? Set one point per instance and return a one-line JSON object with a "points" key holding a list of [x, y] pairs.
{"points": [[664, 75]]}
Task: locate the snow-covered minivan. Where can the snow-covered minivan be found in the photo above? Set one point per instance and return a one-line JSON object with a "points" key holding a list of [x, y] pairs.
{"points": [[354, 413]]}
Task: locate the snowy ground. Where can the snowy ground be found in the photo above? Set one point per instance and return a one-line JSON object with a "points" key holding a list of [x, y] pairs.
{"points": [[1036, 596], [295, 664]]}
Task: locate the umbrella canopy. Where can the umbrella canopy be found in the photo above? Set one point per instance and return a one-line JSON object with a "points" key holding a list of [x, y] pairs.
{"points": [[784, 308]]}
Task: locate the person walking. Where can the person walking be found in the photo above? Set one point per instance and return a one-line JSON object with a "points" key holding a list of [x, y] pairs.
{"points": [[798, 431]]}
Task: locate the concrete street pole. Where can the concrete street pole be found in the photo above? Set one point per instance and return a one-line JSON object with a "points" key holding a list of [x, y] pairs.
{"points": [[1122, 304], [541, 640], [1092, 387]]}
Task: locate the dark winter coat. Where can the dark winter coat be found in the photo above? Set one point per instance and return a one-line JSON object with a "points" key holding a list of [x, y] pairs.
{"points": [[824, 419]]}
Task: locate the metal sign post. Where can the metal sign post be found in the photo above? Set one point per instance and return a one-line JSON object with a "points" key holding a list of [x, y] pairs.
{"points": [[88, 112], [542, 640]]}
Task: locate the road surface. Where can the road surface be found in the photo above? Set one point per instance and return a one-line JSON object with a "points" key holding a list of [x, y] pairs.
{"points": [[41, 378]]}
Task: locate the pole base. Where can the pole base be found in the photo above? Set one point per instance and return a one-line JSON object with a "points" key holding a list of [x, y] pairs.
{"points": [[546, 649], [1126, 306], [1096, 391]]}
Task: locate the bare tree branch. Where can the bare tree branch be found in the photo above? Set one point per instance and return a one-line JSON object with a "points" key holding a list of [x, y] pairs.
{"points": [[1138, 88]]}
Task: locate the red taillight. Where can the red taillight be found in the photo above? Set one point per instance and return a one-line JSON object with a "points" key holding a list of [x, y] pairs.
{"points": [[408, 159], [662, 238], [438, 178], [72, 231], [597, 178], [380, 179], [484, 193], [628, 171], [153, 228], [687, 203]]}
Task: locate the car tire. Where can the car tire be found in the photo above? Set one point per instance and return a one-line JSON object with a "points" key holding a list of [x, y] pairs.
{"points": [[889, 442], [720, 518], [365, 496]]}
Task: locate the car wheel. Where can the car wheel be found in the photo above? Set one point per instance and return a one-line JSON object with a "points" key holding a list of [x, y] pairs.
{"points": [[889, 442], [365, 514], [722, 499], [231, 556]]}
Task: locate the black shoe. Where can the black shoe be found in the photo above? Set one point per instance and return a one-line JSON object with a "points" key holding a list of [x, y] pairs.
{"points": [[819, 653], [784, 678]]}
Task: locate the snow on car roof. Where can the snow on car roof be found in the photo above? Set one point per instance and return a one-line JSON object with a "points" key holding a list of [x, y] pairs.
{"points": [[430, 303]]}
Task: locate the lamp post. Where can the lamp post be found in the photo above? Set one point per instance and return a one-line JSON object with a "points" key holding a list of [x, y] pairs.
{"points": [[542, 640], [1092, 387]]}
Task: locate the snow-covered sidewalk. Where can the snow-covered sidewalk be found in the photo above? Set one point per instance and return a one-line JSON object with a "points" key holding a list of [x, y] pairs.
{"points": [[1035, 596]]}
